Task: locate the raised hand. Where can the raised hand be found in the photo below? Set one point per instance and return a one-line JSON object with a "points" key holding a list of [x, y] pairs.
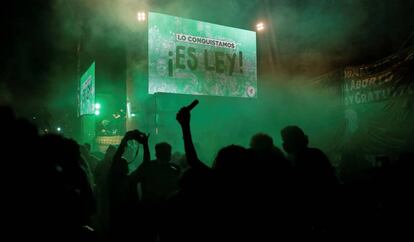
{"points": [[183, 116], [144, 139], [129, 135]]}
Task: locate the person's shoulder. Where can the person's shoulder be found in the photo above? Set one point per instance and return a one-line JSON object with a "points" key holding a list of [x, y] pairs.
{"points": [[94, 158], [147, 164], [318, 156], [100, 165], [315, 151], [174, 166], [314, 154]]}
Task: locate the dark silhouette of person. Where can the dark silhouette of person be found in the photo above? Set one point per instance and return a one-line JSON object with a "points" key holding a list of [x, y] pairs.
{"points": [[270, 180], [213, 194], [69, 202], [315, 181], [21, 177], [262, 142], [396, 207], [311, 164], [50, 197], [122, 190], [159, 177], [90, 162], [271, 163], [230, 165], [101, 175], [157, 180], [179, 159]]}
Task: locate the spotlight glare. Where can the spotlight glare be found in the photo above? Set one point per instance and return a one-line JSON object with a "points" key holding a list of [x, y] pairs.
{"points": [[58, 129], [260, 26], [97, 106], [141, 16], [97, 112]]}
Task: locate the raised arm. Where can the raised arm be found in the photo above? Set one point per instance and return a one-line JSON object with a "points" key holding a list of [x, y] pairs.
{"points": [[183, 118], [121, 148], [144, 142], [142, 138]]}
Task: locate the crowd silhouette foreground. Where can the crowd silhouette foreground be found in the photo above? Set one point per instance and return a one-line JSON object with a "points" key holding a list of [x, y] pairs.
{"points": [[55, 189]]}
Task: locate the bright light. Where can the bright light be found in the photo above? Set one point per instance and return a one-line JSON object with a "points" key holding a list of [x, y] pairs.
{"points": [[260, 26], [133, 115], [128, 109], [97, 106], [58, 129], [141, 16], [97, 112]]}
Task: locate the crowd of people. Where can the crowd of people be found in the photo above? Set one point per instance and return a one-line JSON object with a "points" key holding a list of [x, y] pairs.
{"points": [[55, 189]]}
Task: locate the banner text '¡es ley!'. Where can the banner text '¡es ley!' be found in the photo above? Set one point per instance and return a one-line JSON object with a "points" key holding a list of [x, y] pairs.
{"points": [[185, 57]]}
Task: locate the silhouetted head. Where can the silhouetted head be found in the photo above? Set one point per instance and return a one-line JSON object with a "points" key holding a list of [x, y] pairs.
{"points": [[110, 152], [7, 114], [59, 150], [261, 142], [87, 147], [294, 139], [163, 151], [230, 159], [83, 151], [24, 128], [17, 134]]}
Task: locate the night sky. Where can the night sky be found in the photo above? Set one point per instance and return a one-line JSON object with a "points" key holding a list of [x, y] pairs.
{"points": [[307, 38]]}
